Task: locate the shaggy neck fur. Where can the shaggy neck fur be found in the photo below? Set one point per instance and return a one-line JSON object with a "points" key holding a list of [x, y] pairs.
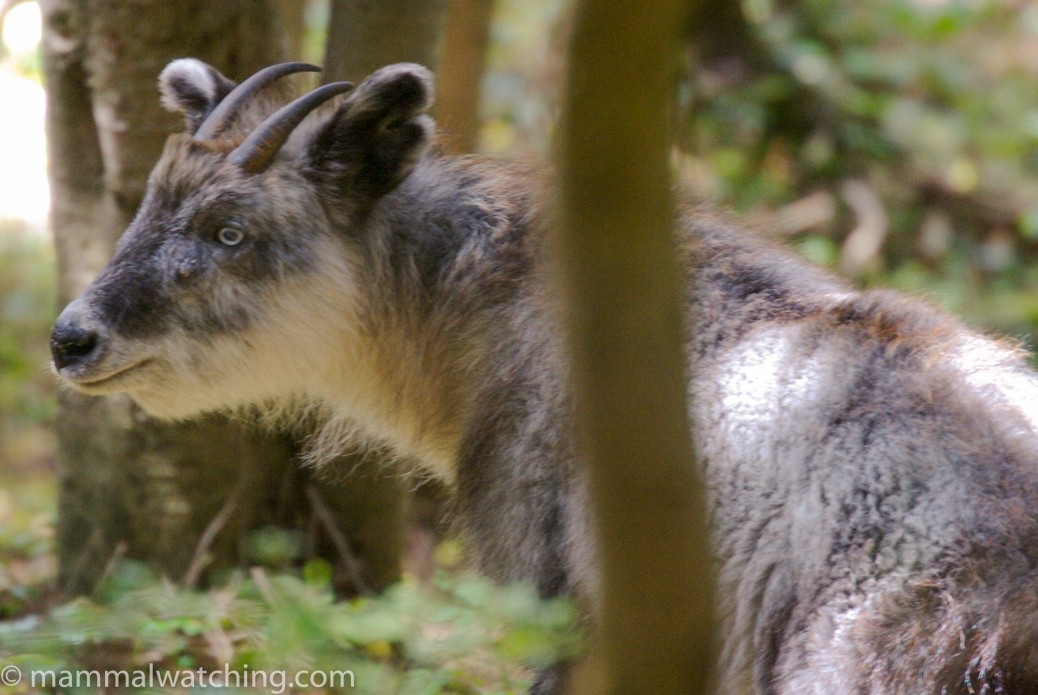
{"points": [[439, 256]]}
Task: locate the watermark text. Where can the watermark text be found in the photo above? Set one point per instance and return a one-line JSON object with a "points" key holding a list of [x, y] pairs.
{"points": [[273, 681]]}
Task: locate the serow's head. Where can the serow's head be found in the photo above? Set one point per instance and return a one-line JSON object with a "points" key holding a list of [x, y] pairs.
{"points": [[239, 278]]}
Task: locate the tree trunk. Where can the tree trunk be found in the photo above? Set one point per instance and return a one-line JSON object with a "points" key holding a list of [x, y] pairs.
{"points": [[364, 35], [622, 298], [292, 14], [465, 40], [130, 485]]}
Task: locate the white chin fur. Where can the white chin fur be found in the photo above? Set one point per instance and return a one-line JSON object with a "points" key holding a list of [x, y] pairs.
{"points": [[162, 408]]}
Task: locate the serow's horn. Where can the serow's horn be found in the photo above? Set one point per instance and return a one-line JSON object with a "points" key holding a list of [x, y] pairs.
{"points": [[225, 111], [257, 151]]}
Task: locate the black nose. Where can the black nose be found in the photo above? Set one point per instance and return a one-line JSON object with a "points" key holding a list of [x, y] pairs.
{"points": [[71, 344]]}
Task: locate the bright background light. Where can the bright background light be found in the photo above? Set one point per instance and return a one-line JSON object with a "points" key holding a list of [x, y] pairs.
{"points": [[24, 193], [22, 28]]}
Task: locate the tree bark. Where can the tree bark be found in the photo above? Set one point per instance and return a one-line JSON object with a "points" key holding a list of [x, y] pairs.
{"points": [[293, 22], [462, 65], [623, 303], [130, 485], [364, 35]]}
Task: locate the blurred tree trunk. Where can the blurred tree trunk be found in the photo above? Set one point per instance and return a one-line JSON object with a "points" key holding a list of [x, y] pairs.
{"points": [[364, 35], [623, 303], [293, 22], [465, 40], [183, 496]]}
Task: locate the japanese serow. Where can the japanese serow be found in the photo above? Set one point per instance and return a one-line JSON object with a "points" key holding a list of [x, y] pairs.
{"points": [[872, 465]]}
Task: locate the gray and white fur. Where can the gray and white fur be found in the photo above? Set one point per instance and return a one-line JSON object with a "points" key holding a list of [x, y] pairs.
{"points": [[872, 464]]}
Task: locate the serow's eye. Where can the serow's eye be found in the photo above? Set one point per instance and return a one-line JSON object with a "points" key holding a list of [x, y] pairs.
{"points": [[229, 236]]}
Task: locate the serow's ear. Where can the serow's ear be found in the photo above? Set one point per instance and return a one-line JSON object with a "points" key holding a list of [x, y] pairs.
{"points": [[375, 137], [193, 88]]}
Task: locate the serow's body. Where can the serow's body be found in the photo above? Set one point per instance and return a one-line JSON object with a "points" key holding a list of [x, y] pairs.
{"points": [[872, 465]]}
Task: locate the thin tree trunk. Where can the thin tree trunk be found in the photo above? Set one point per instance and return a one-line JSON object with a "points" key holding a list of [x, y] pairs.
{"points": [[129, 484], [622, 297], [462, 65]]}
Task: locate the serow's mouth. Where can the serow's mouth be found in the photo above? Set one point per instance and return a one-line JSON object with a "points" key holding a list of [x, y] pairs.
{"points": [[93, 382]]}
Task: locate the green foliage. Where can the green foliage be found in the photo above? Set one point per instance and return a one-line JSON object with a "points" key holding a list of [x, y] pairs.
{"points": [[931, 105], [26, 537], [461, 635], [27, 308], [275, 547]]}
